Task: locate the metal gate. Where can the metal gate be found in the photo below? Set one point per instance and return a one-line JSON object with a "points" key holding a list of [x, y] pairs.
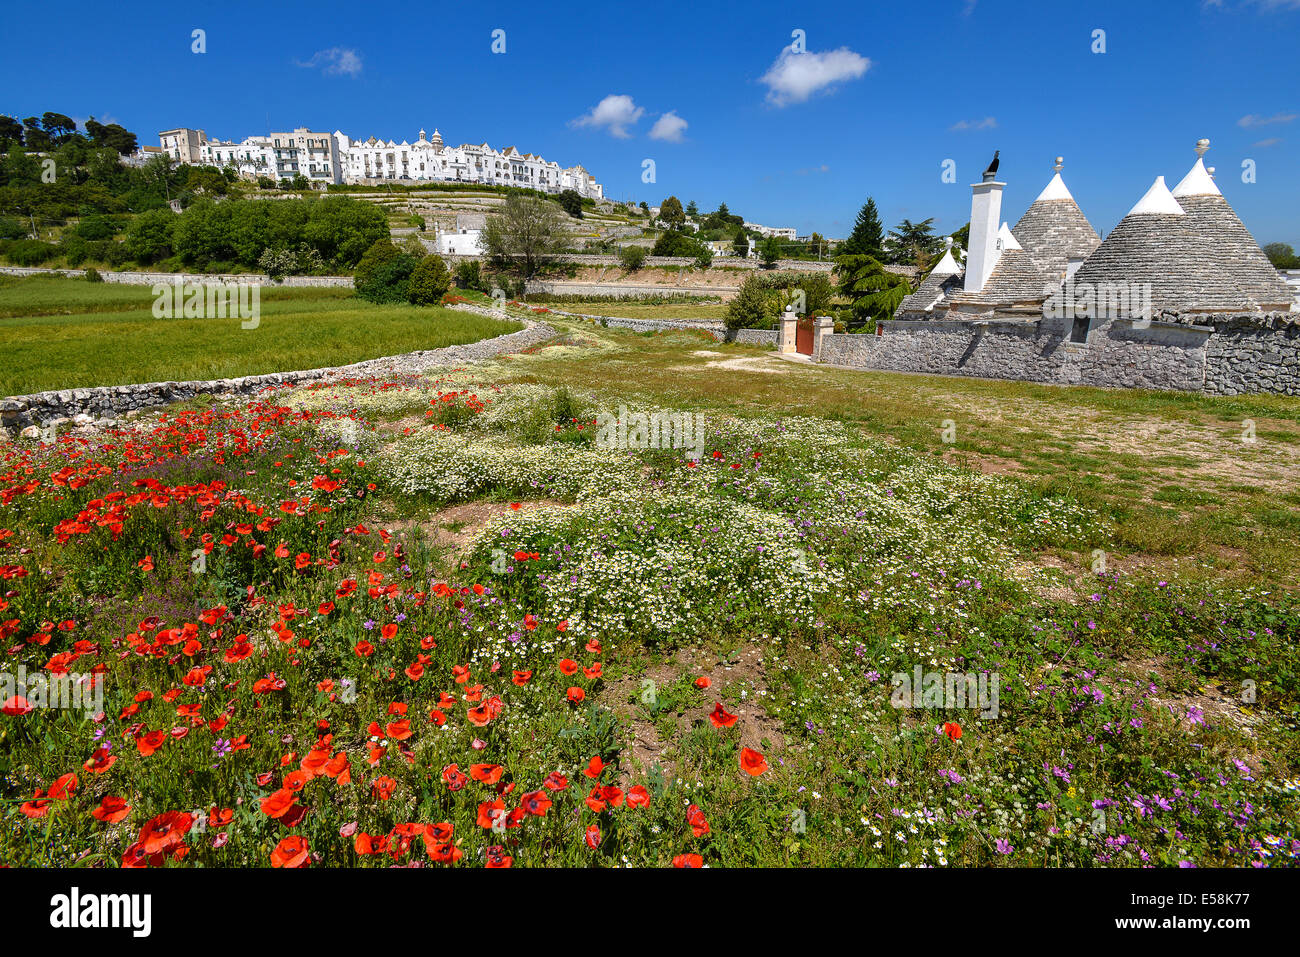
{"points": [[803, 336]]}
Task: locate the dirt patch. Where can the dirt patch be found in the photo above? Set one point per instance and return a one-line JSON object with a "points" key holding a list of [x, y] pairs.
{"points": [[741, 364], [1215, 703], [757, 729], [987, 464]]}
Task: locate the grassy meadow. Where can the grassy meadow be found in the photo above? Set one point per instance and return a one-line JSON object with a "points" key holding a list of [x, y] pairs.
{"points": [[441, 621], [64, 333]]}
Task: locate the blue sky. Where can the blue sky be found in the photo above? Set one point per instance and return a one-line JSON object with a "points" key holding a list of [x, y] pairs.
{"points": [[880, 96]]}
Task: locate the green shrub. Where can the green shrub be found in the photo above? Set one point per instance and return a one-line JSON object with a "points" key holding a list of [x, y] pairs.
{"points": [[96, 227], [115, 253], [92, 275], [632, 257], [753, 307], [75, 249], [11, 228], [469, 275], [429, 282], [31, 252], [383, 274]]}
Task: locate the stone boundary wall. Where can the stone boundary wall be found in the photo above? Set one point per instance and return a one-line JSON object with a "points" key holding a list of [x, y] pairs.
{"points": [[137, 278], [1227, 355], [565, 287], [716, 327], [109, 402], [757, 337]]}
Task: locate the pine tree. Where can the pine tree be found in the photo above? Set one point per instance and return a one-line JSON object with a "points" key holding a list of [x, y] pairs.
{"points": [[868, 236]]}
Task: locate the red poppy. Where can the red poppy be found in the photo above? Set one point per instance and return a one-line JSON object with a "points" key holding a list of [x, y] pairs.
{"points": [[594, 767], [454, 777], [64, 787], [952, 730], [638, 796], [536, 803], [721, 718], [752, 762], [688, 860], [150, 742], [111, 810], [592, 836], [695, 818], [487, 773], [703, 681], [290, 852], [497, 857], [576, 695], [277, 804], [164, 832]]}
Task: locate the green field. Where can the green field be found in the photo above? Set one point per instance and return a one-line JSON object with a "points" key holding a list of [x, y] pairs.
{"points": [[63, 333]]}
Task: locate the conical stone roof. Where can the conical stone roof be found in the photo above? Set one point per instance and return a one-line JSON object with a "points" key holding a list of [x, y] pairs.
{"points": [[1054, 230], [1236, 251], [1156, 244]]}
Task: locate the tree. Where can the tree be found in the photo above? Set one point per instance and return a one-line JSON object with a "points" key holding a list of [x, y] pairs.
{"points": [[11, 133], [752, 307], [692, 210], [632, 257], [673, 243], [524, 236], [1282, 256], [868, 236], [741, 245], [875, 292], [384, 273], [913, 243], [571, 203], [35, 138], [770, 250], [58, 127], [206, 179], [429, 282], [671, 212]]}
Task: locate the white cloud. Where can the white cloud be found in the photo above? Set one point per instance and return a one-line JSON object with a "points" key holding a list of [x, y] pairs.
{"points": [[1254, 119], [668, 128], [1265, 144], [988, 123], [336, 61], [615, 113], [794, 77], [813, 169]]}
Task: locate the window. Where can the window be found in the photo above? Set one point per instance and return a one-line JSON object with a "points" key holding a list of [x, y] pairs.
{"points": [[1079, 331]]}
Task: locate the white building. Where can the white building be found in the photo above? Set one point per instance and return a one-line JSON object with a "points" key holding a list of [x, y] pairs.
{"points": [[314, 155], [430, 159], [780, 232], [338, 158], [251, 158], [183, 145]]}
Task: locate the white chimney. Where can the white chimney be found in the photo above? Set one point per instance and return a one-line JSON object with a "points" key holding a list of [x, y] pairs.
{"points": [[985, 218]]}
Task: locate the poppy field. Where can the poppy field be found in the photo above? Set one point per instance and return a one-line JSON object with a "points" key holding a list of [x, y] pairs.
{"points": [[435, 621]]}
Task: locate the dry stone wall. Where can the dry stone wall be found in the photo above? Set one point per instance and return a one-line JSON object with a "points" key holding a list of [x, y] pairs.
{"points": [[1221, 354], [112, 402]]}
